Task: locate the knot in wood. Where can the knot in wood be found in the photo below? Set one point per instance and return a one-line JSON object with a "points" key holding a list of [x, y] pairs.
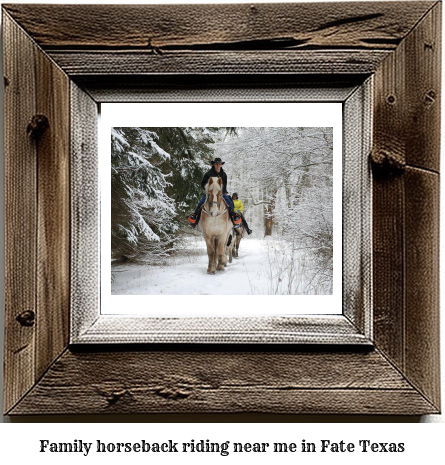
{"points": [[173, 393], [387, 163], [37, 126], [114, 397], [26, 318], [430, 97], [113, 394]]}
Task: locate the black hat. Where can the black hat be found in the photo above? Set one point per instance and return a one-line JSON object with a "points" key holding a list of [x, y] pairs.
{"points": [[217, 160], [233, 195]]}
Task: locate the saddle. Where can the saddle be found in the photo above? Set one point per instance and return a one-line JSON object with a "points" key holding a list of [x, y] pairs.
{"points": [[236, 219]]}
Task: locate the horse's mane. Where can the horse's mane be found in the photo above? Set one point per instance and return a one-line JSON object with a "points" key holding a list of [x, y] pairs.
{"points": [[214, 185]]}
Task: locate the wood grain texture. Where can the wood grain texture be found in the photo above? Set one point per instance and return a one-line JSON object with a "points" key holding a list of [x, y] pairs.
{"points": [[406, 241], [389, 139], [79, 63], [20, 212], [85, 211], [112, 329], [422, 281], [342, 25], [228, 39], [217, 87], [357, 209], [407, 113], [400, 376], [37, 216], [423, 92], [223, 382], [388, 268], [53, 227]]}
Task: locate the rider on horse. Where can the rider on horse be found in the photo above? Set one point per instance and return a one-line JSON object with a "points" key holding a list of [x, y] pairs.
{"points": [[239, 209], [216, 172]]}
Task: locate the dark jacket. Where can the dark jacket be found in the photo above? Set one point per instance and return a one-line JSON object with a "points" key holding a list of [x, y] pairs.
{"points": [[213, 174]]}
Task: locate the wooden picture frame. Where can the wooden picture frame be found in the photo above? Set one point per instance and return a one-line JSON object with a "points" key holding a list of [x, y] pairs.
{"points": [[76, 56]]}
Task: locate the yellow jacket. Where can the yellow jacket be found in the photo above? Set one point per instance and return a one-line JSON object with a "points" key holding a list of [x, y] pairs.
{"points": [[238, 205]]}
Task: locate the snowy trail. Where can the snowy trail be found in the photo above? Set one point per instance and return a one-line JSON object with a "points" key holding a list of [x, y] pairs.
{"points": [[244, 276]]}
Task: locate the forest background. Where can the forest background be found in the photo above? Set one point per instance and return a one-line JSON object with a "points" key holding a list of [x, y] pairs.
{"points": [[283, 175]]}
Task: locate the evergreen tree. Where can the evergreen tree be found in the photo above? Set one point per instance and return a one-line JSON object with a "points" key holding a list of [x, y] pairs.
{"points": [[191, 150], [141, 210]]}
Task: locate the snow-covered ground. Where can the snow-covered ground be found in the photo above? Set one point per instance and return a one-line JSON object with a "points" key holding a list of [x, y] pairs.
{"points": [[240, 277], [260, 269]]}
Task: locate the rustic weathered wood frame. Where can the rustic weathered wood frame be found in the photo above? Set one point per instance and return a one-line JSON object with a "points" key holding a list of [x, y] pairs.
{"points": [[82, 55]]}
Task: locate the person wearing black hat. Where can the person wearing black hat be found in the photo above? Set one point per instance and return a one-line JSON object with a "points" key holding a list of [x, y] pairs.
{"points": [[215, 172], [239, 207]]}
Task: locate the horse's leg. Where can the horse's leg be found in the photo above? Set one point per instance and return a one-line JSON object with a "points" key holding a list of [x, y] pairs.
{"points": [[235, 246], [211, 254], [220, 253], [230, 248], [238, 240]]}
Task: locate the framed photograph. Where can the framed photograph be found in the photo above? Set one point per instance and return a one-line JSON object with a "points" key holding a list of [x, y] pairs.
{"points": [[326, 129], [290, 273]]}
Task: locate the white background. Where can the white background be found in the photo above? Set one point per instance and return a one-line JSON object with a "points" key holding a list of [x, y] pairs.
{"points": [[19, 442], [218, 115]]}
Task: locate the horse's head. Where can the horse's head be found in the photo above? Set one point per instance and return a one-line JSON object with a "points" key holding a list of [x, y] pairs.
{"points": [[214, 195]]}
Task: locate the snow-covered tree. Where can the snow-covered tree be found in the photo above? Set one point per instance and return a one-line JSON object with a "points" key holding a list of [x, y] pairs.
{"points": [[287, 174], [264, 161], [191, 151], [141, 210]]}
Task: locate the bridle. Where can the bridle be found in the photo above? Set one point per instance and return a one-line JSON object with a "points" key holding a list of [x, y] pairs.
{"points": [[210, 204]]}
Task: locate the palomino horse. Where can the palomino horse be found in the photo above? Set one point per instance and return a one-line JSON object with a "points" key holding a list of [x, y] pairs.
{"points": [[216, 225]]}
